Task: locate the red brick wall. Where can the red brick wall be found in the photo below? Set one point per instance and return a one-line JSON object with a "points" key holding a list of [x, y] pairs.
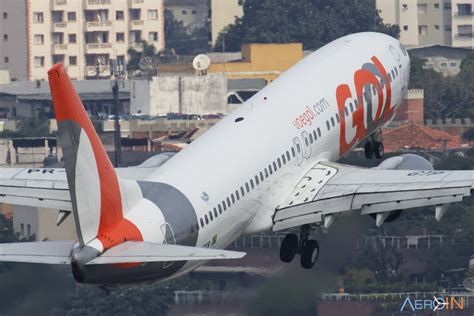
{"points": [[411, 110]]}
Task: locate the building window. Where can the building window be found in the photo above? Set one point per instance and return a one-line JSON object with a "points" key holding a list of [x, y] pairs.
{"points": [[447, 6], [38, 61], [38, 39], [464, 9], [71, 16], [152, 14], [6, 60], [184, 12], [436, 27], [5, 37], [5, 15], [405, 6], [71, 38], [38, 17], [22, 229], [119, 15], [135, 14], [405, 27], [436, 5], [58, 38], [73, 60], [120, 37], [58, 59], [194, 12], [423, 29], [28, 230], [57, 16], [447, 28], [422, 8], [153, 36], [453, 65], [465, 30], [444, 65]]}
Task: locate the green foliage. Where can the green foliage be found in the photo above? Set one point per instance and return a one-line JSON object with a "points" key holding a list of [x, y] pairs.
{"points": [[469, 134], [444, 97], [29, 127], [145, 50], [313, 23]]}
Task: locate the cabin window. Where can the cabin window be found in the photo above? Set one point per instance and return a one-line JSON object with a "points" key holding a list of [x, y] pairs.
{"points": [[202, 223], [288, 157], [327, 125], [352, 108], [215, 212], [261, 176], [274, 166], [283, 158], [311, 138], [247, 186], [220, 209], [251, 183], [279, 163], [228, 202], [293, 151], [337, 117], [332, 121], [210, 216], [298, 148], [224, 206], [266, 173], [319, 132], [256, 180], [232, 198], [270, 168], [207, 219], [237, 195]]}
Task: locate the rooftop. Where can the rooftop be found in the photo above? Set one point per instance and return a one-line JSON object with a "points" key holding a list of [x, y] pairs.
{"points": [[413, 136], [87, 89]]}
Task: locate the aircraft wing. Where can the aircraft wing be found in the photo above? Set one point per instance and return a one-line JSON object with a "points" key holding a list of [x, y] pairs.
{"points": [[328, 189], [37, 187]]}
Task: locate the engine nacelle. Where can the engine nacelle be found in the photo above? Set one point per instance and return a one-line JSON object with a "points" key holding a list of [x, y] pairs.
{"points": [[403, 162]]}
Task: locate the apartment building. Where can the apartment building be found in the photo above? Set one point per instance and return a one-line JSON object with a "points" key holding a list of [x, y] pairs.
{"points": [[429, 22], [192, 13], [85, 35], [223, 13]]}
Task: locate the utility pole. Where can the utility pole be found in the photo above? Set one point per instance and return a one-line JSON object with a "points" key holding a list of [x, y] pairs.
{"points": [[117, 75]]}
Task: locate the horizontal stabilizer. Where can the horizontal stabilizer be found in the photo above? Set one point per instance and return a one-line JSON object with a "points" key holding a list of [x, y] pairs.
{"points": [[49, 252], [131, 251]]}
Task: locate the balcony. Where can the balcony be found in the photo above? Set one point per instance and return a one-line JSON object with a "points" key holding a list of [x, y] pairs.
{"points": [[104, 71], [57, 49], [97, 48], [98, 26], [59, 26], [464, 14], [136, 24], [135, 3], [96, 3], [58, 4], [465, 35]]}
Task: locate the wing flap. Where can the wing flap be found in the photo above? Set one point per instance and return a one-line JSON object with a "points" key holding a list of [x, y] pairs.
{"points": [[132, 251], [48, 252], [340, 188]]}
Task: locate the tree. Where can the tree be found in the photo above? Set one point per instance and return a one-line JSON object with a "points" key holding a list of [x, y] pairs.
{"points": [[145, 50], [313, 23], [182, 43]]}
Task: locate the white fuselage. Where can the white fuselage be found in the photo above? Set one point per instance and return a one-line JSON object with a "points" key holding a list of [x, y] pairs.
{"points": [[281, 118]]}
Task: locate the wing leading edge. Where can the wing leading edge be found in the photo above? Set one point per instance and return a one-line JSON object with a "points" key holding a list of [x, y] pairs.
{"points": [[329, 188]]}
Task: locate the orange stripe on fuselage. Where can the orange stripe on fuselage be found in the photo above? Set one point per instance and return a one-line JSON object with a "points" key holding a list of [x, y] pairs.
{"points": [[113, 227]]}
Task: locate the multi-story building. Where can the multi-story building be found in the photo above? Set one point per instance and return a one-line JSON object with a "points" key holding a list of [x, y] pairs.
{"points": [[83, 34], [223, 13], [192, 13], [428, 22]]}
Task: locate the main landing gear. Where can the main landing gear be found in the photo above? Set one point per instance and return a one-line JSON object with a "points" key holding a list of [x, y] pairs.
{"points": [[307, 248], [374, 148]]}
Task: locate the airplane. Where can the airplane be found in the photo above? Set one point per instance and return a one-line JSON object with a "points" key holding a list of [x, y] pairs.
{"points": [[267, 166]]}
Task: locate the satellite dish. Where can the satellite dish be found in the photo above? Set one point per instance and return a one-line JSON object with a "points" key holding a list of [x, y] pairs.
{"points": [[201, 63], [469, 284]]}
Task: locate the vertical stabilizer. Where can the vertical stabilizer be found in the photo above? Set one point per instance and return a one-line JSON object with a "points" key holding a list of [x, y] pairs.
{"points": [[93, 183]]}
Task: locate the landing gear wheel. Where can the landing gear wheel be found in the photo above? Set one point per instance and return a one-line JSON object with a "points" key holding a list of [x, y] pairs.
{"points": [[309, 253], [369, 150], [379, 150], [288, 248]]}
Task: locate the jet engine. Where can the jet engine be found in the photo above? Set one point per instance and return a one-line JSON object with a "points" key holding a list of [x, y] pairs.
{"points": [[402, 162]]}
